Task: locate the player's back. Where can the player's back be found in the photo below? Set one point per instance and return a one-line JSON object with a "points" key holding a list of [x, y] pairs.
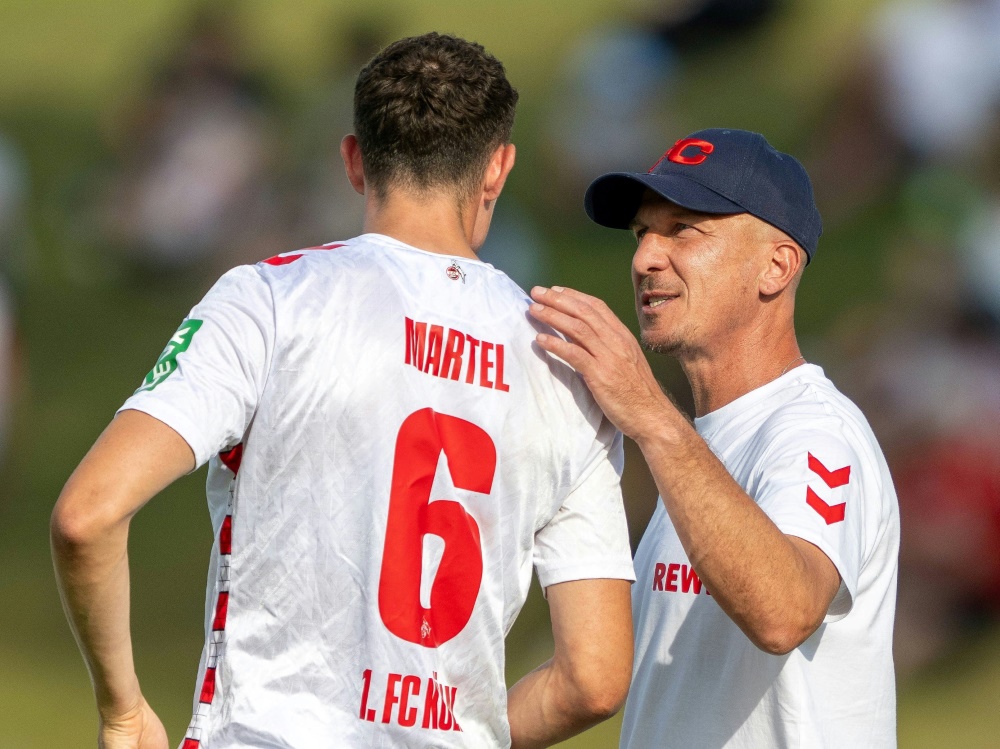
{"points": [[409, 450]]}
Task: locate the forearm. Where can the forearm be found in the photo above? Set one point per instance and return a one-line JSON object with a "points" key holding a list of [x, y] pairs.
{"points": [[544, 708], [93, 578], [587, 679], [754, 571]]}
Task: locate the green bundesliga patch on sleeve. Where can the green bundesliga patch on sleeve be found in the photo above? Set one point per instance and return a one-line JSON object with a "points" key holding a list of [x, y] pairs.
{"points": [[166, 365]]}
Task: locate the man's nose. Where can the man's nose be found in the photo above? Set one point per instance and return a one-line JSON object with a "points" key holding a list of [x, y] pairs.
{"points": [[650, 256]]}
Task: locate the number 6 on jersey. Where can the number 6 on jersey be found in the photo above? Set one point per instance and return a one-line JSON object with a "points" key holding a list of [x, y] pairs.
{"points": [[471, 455]]}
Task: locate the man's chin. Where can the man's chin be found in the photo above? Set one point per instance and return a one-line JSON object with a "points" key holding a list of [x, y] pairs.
{"points": [[661, 344]]}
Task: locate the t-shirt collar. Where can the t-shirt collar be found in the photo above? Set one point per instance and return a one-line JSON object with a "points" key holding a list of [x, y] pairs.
{"points": [[713, 421]]}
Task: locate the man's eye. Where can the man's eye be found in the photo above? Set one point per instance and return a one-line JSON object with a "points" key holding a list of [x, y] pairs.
{"points": [[639, 233], [679, 227]]}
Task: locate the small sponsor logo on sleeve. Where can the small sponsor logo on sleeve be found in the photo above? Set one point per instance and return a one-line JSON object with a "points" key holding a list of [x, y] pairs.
{"points": [[166, 365]]}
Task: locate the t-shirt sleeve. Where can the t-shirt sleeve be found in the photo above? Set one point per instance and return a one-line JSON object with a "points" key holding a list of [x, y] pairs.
{"points": [[812, 487], [207, 382], [587, 538]]}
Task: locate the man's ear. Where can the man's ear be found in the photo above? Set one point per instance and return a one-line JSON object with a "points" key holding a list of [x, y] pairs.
{"points": [[783, 267], [501, 162], [350, 152]]}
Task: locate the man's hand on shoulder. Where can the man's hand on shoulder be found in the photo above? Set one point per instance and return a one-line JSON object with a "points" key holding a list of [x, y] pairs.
{"points": [[603, 350]]}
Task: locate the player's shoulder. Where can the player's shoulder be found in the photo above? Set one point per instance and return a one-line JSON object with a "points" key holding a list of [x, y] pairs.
{"points": [[307, 259], [815, 412]]}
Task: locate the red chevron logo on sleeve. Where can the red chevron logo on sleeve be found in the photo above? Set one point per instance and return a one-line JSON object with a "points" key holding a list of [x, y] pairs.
{"points": [[830, 513], [833, 479]]}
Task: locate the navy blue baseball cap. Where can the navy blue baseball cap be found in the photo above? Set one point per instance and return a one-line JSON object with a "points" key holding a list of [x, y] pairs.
{"points": [[717, 171]]}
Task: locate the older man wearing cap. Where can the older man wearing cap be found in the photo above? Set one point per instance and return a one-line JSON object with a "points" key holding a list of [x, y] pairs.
{"points": [[767, 576]]}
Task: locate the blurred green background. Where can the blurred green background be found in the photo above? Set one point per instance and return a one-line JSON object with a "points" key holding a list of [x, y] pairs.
{"points": [[89, 325]]}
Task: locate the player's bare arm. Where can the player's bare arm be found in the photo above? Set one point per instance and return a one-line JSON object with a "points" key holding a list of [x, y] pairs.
{"points": [[776, 587], [586, 681], [135, 458]]}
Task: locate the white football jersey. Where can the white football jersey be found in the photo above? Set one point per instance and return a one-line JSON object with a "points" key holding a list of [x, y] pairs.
{"points": [[389, 454], [806, 455]]}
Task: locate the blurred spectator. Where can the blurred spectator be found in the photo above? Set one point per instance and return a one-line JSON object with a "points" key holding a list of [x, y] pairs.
{"points": [[13, 236], [611, 106], [692, 24], [931, 382], [516, 246], [13, 191], [322, 205], [195, 174], [16, 242], [608, 109], [924, 91], [981, 271], [939, 72]]}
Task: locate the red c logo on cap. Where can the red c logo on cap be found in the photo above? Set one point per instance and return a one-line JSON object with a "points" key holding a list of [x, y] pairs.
{"points": [[676, 154]]}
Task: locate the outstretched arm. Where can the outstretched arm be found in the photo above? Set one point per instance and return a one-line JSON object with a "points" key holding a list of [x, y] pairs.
{"points": [[777, 588], [135, 458], [587, 679]]}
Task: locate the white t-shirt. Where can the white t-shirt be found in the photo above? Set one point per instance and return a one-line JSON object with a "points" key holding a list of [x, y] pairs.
{"points": [[806, 455], [396, 453]]}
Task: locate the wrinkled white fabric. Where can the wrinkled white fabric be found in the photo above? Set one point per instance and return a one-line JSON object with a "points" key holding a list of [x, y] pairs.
{"points": [[806, 455], [379, 392]]}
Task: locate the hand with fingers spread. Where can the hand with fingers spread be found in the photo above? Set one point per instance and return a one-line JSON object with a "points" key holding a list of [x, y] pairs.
{"points": [[607, 356]]}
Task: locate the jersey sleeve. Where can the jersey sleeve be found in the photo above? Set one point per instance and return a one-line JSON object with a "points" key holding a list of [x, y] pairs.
{"points": [[812, 486], [587, 538], [207, 382]]}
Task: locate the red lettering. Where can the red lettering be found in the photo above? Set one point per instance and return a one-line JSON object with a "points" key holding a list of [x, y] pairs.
{"points": [[365, 713], [671, 582], [416, 335], [431, 704], [451, 365], [430, 350], [402, 698], [658, 572], [485, 365], [471, 372], [451, 694], [690, 579], [501, 385], [434, 342], [411, 685], [446, 716], [391, 698]]}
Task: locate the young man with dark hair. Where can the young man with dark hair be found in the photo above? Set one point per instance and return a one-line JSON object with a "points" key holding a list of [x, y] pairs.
{"points": [[388, 456]]}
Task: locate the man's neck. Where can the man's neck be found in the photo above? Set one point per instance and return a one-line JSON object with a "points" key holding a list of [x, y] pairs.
{"points": [[431, 221], [728, 370]]}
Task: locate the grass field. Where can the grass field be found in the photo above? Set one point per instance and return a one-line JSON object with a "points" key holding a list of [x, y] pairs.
{"points": [[88, 334]]}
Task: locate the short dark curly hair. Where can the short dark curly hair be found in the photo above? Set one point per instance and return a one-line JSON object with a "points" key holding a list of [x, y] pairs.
{"points": [[429, 111]]}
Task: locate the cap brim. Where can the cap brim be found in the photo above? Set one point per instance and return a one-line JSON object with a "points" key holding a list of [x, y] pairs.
{"points": [[613, 199]]}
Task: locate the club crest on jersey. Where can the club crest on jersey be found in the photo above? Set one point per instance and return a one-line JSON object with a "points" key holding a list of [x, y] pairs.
{"points": [[455, 272]]}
